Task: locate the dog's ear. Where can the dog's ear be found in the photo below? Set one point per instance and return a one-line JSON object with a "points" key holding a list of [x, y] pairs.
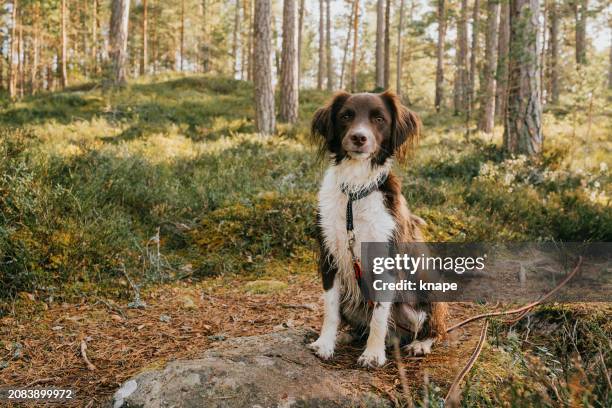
{"points": [[405, 127], [322, 126]]}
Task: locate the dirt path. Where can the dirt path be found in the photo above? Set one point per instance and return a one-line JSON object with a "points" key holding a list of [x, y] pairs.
{"points": [[179, 322]]}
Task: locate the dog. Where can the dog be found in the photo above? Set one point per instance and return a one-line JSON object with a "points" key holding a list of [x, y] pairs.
{"points": [[363, 134]]}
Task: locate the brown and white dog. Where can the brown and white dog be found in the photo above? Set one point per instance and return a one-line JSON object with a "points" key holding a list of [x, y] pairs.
{"points": [[363, 134]]}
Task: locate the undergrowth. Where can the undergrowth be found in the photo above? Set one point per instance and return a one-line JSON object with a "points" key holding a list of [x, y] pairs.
{"points": [[165, 180]]}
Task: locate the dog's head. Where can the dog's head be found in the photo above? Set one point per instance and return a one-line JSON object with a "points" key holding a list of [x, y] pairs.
{"points": [[365, 126]]}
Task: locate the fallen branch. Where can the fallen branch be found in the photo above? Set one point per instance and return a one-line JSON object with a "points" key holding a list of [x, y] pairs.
{"points": [[90, 366], [40, 380], [308, 306], [454, 392], [523, 310]]}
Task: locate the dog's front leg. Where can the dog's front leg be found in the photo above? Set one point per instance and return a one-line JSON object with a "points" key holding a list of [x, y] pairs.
{"points": [[374, 354], [325, 345]]}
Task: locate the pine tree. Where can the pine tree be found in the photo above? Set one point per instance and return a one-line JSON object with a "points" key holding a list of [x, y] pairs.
{"points": [[262, 69], [523, 124], [289, 64]]}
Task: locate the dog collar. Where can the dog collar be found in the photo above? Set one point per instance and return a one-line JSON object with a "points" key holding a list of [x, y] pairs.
{"points": [[358, 195]]}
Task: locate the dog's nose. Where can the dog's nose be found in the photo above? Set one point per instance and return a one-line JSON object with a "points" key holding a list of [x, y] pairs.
{"points": [[358, 139]]}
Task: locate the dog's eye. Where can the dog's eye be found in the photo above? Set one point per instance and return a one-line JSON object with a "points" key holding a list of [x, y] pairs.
{"points": [[346, 116], [379, 119]]}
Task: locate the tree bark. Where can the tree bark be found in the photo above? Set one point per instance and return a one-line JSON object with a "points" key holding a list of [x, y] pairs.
{"points": [[262, 53], [321, 71], [523, 125], [145, 39], [349, 30], [289, 64], [398, 66], [355, 42], [502, 59], [387, 67], [182, 35], [328, 48], [553, 46], [118, 40], [235, 38], [94, 37], [461, 73], [300, 30], [439, 98], [20, 52], [580, 14], [473, 54], [63, 34], [487, 102], [380, 33]]}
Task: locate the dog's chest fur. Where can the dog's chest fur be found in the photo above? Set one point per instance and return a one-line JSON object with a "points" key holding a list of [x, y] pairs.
{"points": [[371, 219]]}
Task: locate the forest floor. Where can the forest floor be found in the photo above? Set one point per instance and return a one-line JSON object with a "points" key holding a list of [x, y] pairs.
{"points": [[162, 192]]}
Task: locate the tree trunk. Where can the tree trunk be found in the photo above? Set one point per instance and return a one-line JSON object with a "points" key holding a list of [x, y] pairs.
{"points": [[473, 54], [182, 35], [328, 48], [235, 38], [145, 38], [262, 53], [94, 37], [205, 45], [553, 45], [439, 99], [289, 64], [523, 125], [387, 67], [487, 101], [118, 40], [398, 66], [461, 74], [502, 59], [355, 42], [20, 52], [349, 30], [321, 71], [380, 34], [64, 73], [300, 30], [580, 14], [12, 76]]}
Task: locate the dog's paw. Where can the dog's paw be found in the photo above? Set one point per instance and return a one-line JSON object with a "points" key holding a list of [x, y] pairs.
{"points": [[372, 358], [323, 348], [419, 347]]}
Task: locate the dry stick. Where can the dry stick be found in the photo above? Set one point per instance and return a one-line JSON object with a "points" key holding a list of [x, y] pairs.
{"points": [[90, 366], [523, 309], [453, 390], [402, 372], [299, 306], [40, 380]]}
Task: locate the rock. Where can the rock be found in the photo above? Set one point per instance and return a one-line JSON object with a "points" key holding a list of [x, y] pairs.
{"points": [[271, 370]]}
